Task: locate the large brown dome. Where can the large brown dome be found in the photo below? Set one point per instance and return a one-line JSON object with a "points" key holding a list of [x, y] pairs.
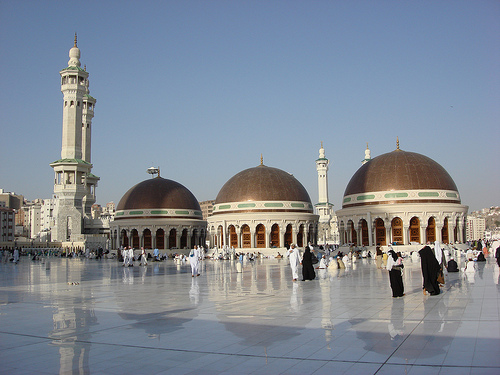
{"points": [[158, 193], [262, 183], [400, 170]]}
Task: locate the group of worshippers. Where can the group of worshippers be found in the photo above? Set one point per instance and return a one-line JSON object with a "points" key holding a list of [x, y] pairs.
{"points": [[306, 262], [129, 257], [432, 262]]}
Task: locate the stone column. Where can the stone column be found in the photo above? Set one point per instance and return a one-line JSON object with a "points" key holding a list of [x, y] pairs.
{"points": [[406, 229], [370, 229], [238, 236], [189, 233], [439, 228], [423, 237]]}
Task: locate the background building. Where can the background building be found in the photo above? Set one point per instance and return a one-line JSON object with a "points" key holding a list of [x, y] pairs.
{"points": [[476, 227], [207, 208]]}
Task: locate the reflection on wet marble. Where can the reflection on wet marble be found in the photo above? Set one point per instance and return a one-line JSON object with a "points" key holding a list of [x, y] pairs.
{"points": [[159, 320]]}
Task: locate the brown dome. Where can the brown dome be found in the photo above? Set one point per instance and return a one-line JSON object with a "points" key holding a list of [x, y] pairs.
{"points": [[400, 170], [262, 183], [158, 193]]}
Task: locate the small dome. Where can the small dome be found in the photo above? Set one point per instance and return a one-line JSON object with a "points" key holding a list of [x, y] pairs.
{"points": [[400, 170], [262, 183], [158, 193]]}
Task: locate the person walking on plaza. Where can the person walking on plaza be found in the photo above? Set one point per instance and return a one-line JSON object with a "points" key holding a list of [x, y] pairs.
{"points": [[395, 268], [378, 257], [16, 255], [307, 265], [497, 255], [430, 269], [144, 259], [194, 260], [294, 258]]}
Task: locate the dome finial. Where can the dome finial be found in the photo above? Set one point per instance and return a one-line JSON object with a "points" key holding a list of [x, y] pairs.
{"points": [[75, 40], [261, 160], [322, 151], [397, 143], [367, 146], [74, 55]]}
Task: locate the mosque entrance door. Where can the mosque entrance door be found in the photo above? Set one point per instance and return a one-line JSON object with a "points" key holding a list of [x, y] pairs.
{"points": [[233, 237], [160, 239], [364, 233], [124, 238], [275, 235], [172, 238], [246, 237], [430, 231], [353, 233], [380, 232], [444, 232], [184, 238], [415, 230], [288, 235], [300, 236], [147, 238], [260, 233], [135, 238], [455, 232], [397, 231]]}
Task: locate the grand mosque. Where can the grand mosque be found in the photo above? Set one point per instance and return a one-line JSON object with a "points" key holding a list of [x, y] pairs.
{"points": [[400, 197]]}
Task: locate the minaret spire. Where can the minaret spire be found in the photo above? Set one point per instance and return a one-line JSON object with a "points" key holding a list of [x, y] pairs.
{"points": [[75, 41], [397, 143], [367, 155], [261, 160]]}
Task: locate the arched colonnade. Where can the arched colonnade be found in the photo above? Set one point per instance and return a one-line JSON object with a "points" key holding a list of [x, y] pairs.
{"points": [[367, 231], [163, 238], [262, 235]]}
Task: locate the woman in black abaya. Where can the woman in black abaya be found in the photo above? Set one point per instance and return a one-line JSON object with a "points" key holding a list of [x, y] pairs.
{"points": [[430, 270], [307, 265]]}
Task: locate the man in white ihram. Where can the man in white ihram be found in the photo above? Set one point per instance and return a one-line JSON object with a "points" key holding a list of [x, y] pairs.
{"points": [[294, 257], [194, 260]]}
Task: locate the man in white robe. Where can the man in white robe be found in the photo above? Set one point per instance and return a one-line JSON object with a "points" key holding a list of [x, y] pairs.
{"points": [[294, 258], [194, 260]]}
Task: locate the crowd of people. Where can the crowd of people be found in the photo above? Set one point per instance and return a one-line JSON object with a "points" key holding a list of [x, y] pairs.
{"points": [[434, 259]]}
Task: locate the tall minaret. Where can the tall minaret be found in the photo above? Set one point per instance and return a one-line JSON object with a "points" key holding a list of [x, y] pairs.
{"points": [[74, 184], [323, 207]]}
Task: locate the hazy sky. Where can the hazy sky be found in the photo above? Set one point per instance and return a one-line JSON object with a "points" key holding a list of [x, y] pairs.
{"points": [[202, 88]]}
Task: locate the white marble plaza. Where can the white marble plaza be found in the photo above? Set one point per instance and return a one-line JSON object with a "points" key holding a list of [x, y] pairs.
{"points": [[159, 320]]}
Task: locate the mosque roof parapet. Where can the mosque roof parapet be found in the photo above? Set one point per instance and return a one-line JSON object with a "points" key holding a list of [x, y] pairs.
{"points": [[73, 68], [75, 161]]}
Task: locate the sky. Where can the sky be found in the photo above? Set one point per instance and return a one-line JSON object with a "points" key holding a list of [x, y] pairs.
{"points": [[202, 88]]}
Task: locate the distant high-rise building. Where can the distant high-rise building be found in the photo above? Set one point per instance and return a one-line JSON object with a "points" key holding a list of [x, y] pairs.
{"points": [[207, 208], [476, 227]]}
